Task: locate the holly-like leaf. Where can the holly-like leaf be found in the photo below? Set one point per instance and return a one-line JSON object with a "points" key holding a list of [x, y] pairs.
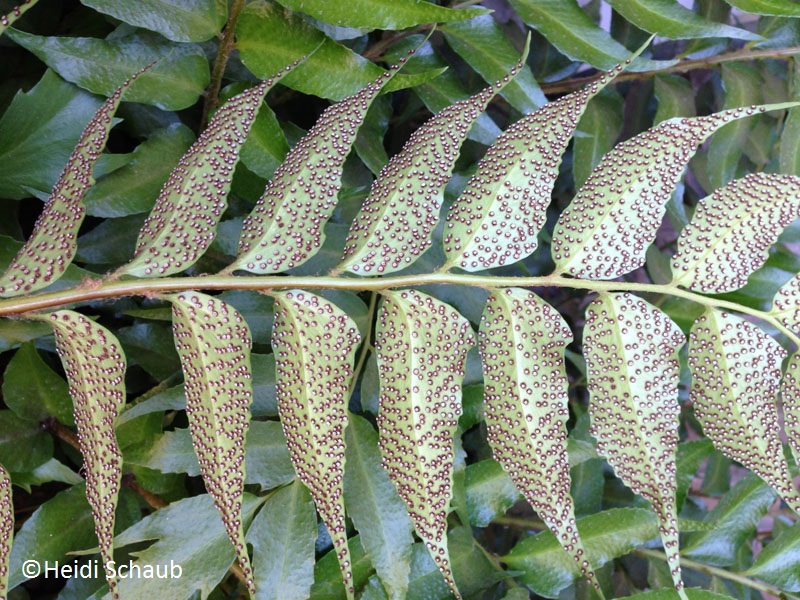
{"points": [[522, 341], [397, 219], [184, 220], [632, 367], [285, 228], [53, 243], [421, 346], [314, 343], [731, 231], [6, 21], [736, 369], [6, 529], [214, 343], [95, 366], [790, 394], [495, 220], [779, 562], [605, 231]]}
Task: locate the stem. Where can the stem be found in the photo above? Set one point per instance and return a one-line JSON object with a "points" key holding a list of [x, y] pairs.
{"points": [[221, 61], [689, 64], [717, 572], [94, 290]]}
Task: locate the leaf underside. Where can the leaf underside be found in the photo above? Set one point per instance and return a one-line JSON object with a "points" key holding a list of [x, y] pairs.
{"points": [[790, 394], [314, 343], [95, 366], [285, 228], [50, 248], [731, 231], [522, 341], [631, 351], [6, 528], [213, 342], [736, 370], [184, 220], [421, 345], [397, 219], [786, 305], [604, 233], [6, 20], [496, 219]]}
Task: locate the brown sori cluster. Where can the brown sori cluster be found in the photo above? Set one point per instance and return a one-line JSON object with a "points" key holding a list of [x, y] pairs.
{"points": [[184, 220], [736, 370], [214, 343], [632, 370], [522, 341], [52, 245], [421, 346], [6, 528], [314, 344], [605, 231], [516, 176], [95, 366], [790, 394], [286, 226], [397, 219], [731, 231], [7, 19]]}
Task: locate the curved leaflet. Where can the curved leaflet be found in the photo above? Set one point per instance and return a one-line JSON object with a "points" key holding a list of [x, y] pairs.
{"points": [[790, 394], [184, 220], [397, 219], [421, 346], [736, 369], [6, 528], [495, 220], [786, 304], [633, 370], [213, 342], [522, 341], [285, 228], [51, 247], [604, 233], [732, 230], [6, 21], [314, 342], [95, 366]]}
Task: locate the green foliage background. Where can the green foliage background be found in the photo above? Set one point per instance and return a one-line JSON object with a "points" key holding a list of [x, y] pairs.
{"points": [[62, 58]]}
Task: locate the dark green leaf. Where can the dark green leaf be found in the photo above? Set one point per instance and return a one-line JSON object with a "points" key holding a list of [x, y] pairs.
{"points": [[133, 188], [547, 569], [669, 19], [490, 492], [675, 98], [179, 21], [780, 8], [569, 28], [482, 43], [60, 525], [37, 134], [779, 562], [734, 519], [282, 536], [596, 134], [375, 14], [176, 80], [33, 391], [376, 509], [24, 445]]}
